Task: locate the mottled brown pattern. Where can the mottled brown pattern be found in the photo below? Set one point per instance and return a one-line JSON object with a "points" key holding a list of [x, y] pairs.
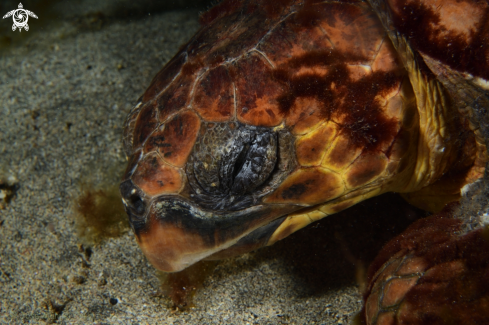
{"points": [[431, 275], [308, 186], [311, 148], [452, 32], [257, 92], [305, 114], [175, 140], [342, 154], [174, 98], [386, 59], [145, 125], [352, 103], [283, 43], [366, 168], [307, 73], [214, 95], [364, 120], [353, 28], [155, 177]]}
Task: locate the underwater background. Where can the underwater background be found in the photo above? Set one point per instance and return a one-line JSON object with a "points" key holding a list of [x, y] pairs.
{"points": [[67, 254]]}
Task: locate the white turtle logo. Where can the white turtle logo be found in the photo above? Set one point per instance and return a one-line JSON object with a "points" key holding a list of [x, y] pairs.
{"points": [[20, 17]]}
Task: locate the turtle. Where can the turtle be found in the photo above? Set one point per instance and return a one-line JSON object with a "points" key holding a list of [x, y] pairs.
{"points": [[279, 113]]}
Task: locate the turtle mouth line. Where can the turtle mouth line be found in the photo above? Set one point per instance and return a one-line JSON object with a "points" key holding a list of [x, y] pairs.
{"points": [[181, 212], [177, 234]]}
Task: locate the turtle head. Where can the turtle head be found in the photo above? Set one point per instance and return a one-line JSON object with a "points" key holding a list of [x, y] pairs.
{"points": [[264, 123], [235, 145], [250, 133]]}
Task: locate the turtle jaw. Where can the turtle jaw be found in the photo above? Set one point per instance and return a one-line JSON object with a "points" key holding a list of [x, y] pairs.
{"points": [[176, 234]]}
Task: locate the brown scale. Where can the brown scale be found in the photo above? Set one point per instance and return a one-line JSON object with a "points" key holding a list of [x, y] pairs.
{"points": [[172, 141], [341, 155], [174, 98], [311, 149], [257, 92], [430, 275], [302, 121], [308, 186], [155, 177], [214, 96], [145, 125], [364, 170]]}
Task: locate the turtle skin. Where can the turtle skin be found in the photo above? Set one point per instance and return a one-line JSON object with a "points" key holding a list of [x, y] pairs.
{"points": [[277, 114]]}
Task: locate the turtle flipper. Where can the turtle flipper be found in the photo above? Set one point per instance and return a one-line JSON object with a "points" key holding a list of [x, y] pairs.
{"points": [[30, 13], [8, 14], [26, 27], [14, 28], [432, 273]]}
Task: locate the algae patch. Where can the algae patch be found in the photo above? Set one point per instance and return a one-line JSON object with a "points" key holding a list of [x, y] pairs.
{"points": [[100, 214]]}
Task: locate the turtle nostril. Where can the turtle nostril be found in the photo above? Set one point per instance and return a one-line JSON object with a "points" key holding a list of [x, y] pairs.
{"points": [[132, 197], [137, 204]]}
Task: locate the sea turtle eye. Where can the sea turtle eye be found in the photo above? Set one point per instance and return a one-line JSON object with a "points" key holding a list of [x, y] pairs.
{"points": [[240, 160], [232, 168], [255, 163]]}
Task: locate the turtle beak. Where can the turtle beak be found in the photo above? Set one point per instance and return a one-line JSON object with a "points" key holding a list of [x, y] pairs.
{"points": [[254, 240], [176, 234]]}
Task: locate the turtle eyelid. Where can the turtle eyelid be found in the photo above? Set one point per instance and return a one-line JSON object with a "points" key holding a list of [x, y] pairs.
{"points": [[259, 161], [232, 169], [241, 160]]}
